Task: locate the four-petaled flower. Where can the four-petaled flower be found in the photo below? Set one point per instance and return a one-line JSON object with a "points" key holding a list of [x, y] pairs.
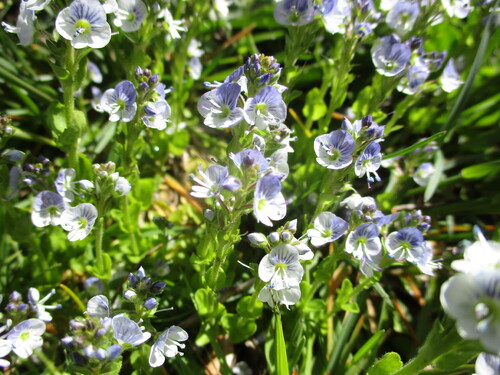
{"points": [[269, 203], [281, 268], [334, 150], [327, 228], [219, 106], [167, 345], [79, 220], [84, 24], [119, 102]]}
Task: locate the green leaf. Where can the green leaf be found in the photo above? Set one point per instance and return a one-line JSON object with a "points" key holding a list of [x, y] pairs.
{"points": [[315, 108], [461, 354], [103, 272], [249, 307], [387, 365], [481, 170], [324, 270], [238, 327], [207, 305], [434, 181], [414, 147], [56, 119], [281, 358], [372, 343], [112, 368], [59, 71]]}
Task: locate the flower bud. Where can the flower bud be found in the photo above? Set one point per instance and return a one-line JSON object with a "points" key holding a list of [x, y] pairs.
{"points": [[257, 239], [274, 237], [157, 287], [150, 303]]}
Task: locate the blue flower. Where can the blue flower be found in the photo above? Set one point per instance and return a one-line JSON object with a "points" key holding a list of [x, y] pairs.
{"points": [[266, 108], [405, 244], [334, 150], [269, 204], [219, 106], [390, 56], [84, 24], [294, 12], [120, 102], [368, 162]]}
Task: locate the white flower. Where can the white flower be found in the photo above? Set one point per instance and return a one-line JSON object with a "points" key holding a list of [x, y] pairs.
{"points": [[38, 304], [26, 337], [79, 220], [172, 26], [457, 8], [285, 297], [98, 307], [167, 345], [25, 25], [487, 364], [84, 24], [122, 186], [130, 15], [281, 267], [355, 200], [269, 203], [66, 186], [450, 79], [423, 174], [157, 114], [327, 228], [482, 255], [473, 300], [47, 209], [126, 330], [5, 348]]}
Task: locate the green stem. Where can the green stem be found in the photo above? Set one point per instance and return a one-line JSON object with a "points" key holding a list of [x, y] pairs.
{"points": [[69, 103], [47, 362], [212, 334], [98, 243]]}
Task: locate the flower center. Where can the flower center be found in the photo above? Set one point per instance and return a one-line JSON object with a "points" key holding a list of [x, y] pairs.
{"points": [[82, 26], [24, 336], [82, 223]]}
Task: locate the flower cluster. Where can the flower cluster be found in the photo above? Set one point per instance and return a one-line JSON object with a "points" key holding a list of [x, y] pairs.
{"points": [[100, 337], [280, 269], [391, 56], [127, 102], [54, 208], [262, 166], [24, 324], [142, 289], [335, 150]]}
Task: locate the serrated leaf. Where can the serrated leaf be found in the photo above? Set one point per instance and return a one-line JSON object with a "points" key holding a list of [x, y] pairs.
{"points": [[238, 327]]}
